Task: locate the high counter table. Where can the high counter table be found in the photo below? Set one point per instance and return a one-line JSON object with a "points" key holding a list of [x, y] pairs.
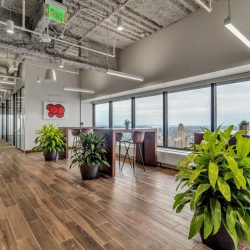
{"points": [[65, 131], [149, 147]]}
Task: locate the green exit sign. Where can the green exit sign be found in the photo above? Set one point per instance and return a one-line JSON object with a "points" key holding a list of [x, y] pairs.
{"points": [[56, 14]]}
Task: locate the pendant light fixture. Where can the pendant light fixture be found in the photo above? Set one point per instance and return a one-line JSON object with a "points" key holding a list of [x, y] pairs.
{"points": [[50, 75], [229, 25], [119, 23], [39, 79], [61, 64], [10, 27], [15, 66]]}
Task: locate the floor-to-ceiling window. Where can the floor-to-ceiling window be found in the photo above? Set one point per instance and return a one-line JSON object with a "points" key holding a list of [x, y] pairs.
{"points": [[4, 120], [121, 112], [149, 114], [10, 113], [102, 115], [20, 118], [188, 111], [233, 104], [1, 121]]}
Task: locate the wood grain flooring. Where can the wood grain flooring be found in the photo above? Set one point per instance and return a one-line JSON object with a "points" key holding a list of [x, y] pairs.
{"points": [[44, 205]]}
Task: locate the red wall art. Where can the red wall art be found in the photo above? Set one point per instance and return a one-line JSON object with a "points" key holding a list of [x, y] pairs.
{"points": [[55, 111]]}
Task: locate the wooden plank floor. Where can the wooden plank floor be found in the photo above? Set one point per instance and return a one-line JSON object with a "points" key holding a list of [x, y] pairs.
{"points": [[44, 205]]}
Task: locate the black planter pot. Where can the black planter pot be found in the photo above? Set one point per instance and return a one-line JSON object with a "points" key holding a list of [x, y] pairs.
{"points": [[89, 172], [50, 156], [219, 241], [61, 155]]}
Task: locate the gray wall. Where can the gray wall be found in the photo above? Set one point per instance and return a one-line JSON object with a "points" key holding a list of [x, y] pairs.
{"points": [[198, 44], [37, 93]]}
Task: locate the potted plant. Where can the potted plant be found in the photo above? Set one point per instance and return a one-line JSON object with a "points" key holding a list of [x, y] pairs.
{"points": [[50, 140], [62, 154], [244, 125], [127, 122], [89, 154], [216, 178]]}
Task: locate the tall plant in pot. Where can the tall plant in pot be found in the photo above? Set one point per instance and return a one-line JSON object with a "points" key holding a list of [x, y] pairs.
{"points": [[50, 140], [216, 178], [89, 154]]}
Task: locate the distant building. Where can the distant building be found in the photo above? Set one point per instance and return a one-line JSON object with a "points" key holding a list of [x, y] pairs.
{"points": [[180, 140]]}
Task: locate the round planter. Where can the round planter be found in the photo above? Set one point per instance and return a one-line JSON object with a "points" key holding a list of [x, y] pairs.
{"points": [[89, 172], [50, 156], [219, 241], [61, 155], [243, 127]]}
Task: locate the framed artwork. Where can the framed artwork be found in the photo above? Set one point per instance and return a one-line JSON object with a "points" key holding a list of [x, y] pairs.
{"points": [[55, 111]]}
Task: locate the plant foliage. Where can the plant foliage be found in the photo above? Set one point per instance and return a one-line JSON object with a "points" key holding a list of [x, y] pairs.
{"points": [[127, 122], [89, 150], [216, 178], [50, 139]]}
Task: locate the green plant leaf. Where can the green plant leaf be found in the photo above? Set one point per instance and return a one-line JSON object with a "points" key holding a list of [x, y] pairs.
{"points": [[194, 175], [224, 188], [208, 223], [232, 164], [213, 173], [215, 209], [201, 189], [196, 224], [241, 179]]}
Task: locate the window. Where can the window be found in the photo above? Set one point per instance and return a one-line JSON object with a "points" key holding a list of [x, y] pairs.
{"points": [[102, 115], [10, 120], [149, 114], [188, 111], [121, 112], [233, 104], [4, 120]]}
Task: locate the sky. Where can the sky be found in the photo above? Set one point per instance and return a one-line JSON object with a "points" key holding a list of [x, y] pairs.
{"points": [[190, 107]]}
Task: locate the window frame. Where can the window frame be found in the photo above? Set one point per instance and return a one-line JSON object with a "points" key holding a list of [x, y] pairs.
{"points": [[212, 85]]}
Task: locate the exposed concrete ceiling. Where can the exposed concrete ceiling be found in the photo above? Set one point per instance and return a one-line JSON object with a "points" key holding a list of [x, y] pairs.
{"points": [[91, 28]]}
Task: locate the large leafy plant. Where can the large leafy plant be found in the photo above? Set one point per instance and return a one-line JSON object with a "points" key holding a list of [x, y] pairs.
{"points": [[50, 139], [216, 178], [89, 150]]}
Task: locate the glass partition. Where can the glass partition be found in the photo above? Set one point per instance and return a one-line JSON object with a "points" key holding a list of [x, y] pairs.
{"points": [[9, 109]]}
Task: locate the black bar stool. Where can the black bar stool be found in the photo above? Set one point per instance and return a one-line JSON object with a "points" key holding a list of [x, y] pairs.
{"points": [[75, 133], [118, 138], [137, 139]]}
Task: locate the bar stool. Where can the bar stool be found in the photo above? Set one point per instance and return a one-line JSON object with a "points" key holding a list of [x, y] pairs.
{"points": [[118, 138], [137, 139], [85, 130], [75, 133]]}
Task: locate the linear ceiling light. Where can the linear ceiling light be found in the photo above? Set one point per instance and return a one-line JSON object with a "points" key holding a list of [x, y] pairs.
{"points": [[50, 75], [10, 26], [119, 23], [7, 82], [203, 5], [125, 75], [3, 90], [79, 90], [236, 32]]}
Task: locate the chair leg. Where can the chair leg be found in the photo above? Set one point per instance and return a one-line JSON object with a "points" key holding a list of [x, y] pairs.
{"points": [[73, 144], [141, 157], [134, 150], [119, 155], [125, 155]]}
